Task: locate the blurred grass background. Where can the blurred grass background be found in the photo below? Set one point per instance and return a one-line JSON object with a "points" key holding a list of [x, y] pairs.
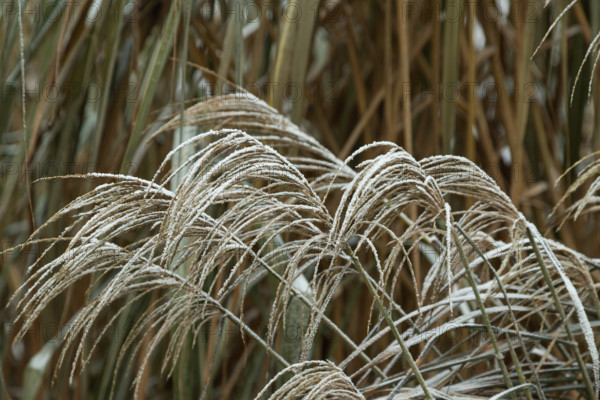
{"points": [[437, 77]]}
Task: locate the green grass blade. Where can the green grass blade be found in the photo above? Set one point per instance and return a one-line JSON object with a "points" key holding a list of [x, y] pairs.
{"points": [[150, 83]]}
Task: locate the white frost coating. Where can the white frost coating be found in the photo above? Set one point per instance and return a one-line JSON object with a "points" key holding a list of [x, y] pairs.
{"points": [[127, 178], [448, 254]]}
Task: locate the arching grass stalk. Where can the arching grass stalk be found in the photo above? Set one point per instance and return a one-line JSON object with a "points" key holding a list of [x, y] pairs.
{"points": [[405, 351], [512, 316], [561, 312], [484, 315]]}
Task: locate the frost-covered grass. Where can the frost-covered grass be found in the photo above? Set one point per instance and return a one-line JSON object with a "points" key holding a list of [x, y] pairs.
{"points": [[501, 311], [408, 220]]}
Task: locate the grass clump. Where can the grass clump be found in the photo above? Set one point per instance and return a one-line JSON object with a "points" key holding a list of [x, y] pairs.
{"points": [[393, 221], [501, 310]]}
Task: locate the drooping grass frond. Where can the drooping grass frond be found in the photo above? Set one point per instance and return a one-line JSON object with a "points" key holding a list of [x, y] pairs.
{"points": [[593, 50], [314, 380], [554, 23], [246, 112], [588, 176], [256, 203]]}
